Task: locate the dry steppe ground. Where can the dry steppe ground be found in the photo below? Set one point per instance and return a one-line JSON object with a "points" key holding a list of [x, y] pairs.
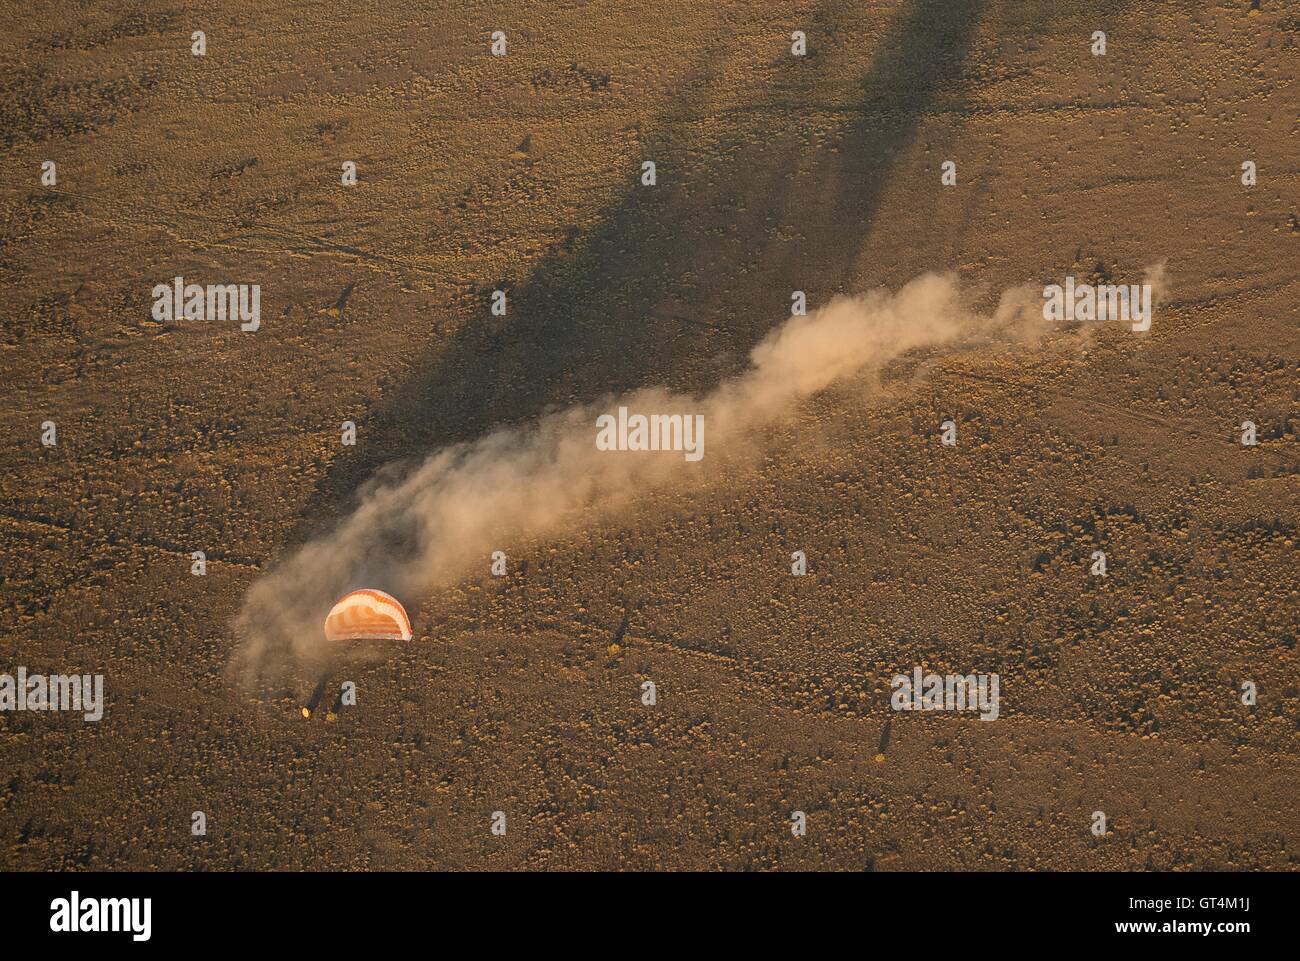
{"points": [[521, 693]]}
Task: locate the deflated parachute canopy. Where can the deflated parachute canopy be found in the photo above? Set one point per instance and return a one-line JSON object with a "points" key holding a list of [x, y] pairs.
{"points": [[369, 615]]}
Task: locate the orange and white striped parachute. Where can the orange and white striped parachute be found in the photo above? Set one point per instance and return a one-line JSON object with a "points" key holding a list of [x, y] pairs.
{"points": [[368, 614]]}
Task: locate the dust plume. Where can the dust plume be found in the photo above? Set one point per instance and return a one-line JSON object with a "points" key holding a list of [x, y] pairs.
{"points": [[441, 521]]}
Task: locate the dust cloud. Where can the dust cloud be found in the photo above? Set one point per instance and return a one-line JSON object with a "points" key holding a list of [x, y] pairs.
{"points": [[434, 525]]}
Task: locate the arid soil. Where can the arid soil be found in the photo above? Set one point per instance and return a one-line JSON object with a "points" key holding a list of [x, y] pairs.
{"points": [[522, 694]]}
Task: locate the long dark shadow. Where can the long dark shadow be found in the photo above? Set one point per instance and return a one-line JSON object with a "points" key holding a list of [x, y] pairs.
{"points": [[682, 279]]}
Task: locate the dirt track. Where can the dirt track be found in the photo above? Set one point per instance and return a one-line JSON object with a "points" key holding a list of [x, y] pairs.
{"points": [[775, 173]]}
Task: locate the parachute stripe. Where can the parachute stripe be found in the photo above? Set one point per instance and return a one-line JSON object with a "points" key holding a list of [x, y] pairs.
{"points": [[367, 613]]}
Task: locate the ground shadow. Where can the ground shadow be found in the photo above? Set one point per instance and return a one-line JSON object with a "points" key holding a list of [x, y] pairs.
{"points": [[681, 280]]}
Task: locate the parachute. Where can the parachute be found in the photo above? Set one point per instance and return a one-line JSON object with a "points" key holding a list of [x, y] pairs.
{"points": [[369, 615]]}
